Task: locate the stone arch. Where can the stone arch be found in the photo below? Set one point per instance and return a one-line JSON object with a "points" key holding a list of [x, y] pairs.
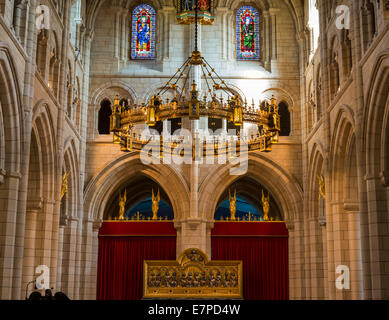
{"points": [[334, 67], [43, 129], [11, 135], [317, 219], [343, 216], [70, 164], [11, 114], [41, 190], [103, 186], [342, 142], [68, 221], [288, 194], [316, 167], [376, 120], [153, 89], [258, 4], [54, 63], [375, 163], [282, 95], [95, 6], [103, 93]]}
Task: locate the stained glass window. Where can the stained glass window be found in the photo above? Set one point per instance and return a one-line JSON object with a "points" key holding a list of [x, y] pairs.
{"points": [[143, 33], [247, 33]]}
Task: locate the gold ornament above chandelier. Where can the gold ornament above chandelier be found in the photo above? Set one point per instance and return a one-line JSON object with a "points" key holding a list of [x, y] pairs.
{"points": [[186, 12]]}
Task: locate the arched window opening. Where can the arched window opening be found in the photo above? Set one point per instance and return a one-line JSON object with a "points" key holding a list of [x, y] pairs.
{"points": [[143, 33], [283, 110], [104, 117], [175, 124], [41, 52], [215, 124], [347, 55], [248, 34], [318, 94], [138, 196], [369, 23], [75, 21], [335, 77], [124, 103]]}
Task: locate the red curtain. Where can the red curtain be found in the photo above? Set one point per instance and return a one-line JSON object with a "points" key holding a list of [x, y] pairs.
{"points": [[120, 267], [123, 246], [264, 256]]}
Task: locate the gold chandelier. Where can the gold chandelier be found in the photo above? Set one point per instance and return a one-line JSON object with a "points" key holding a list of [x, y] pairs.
{"points": [[265, 116]]}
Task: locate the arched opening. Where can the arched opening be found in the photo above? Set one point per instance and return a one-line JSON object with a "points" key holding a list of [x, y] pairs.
{"points": [[347, 61], [138, 192], [318, 232], [345, 214], [40, 196], [137, 237], [104, 117], [318, 93], [41, 52], [334, 72], [248, 227], [368, 16], [283, 110]]}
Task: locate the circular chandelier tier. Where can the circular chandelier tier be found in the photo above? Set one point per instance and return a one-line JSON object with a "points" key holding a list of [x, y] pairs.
{"points": [[187, 103]]}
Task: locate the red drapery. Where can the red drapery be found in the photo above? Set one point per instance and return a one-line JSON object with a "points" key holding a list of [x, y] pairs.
{"points": [[263, 248], [122, 249]]}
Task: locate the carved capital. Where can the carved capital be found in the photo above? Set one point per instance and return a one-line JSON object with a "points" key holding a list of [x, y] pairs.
{"points": [[384, 176], [97, 225], [2, 175], [289, 225]]}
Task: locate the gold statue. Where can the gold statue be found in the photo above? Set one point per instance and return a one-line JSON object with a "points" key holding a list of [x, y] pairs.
{"points": [[265, 206], [322, 187], [122, 205], [232, 205], [155, 206], [65, 182]]}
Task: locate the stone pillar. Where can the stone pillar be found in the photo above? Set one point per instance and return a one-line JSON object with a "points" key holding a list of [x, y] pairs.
{"points": [[274, 37], [8, 221], [69, 258], [28, 92], [61, 232], [30, 248], [167, 12], [354, 245], [267, 36]]}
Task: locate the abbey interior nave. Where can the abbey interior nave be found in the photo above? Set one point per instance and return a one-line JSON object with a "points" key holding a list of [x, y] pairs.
{"points": [[274, 187]]}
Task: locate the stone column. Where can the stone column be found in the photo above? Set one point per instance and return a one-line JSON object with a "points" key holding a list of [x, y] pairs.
{"points": [[30, 248], [28, 93], [61, 232], [9, 268], [274, 36], [167, 13], [88, 290]]}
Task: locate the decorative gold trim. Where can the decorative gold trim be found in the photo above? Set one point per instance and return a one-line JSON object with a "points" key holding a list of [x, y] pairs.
{"points": [[136, 235], [249, 236], [193, 275], [121, 221]]}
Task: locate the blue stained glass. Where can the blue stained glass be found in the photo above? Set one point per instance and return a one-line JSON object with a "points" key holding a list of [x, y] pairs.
{"points": [[247, 34], [143, 33]]}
